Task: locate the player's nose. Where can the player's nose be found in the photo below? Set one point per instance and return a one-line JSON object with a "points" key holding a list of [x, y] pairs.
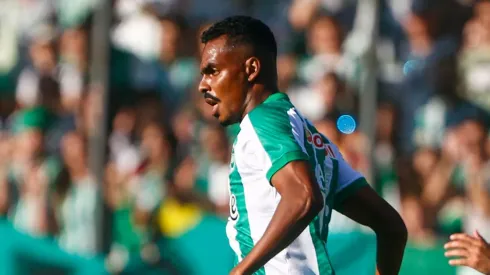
{"points": [[204, 86]]}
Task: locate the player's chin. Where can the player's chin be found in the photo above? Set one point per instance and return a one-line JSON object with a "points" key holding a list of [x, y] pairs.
{"points": [[224, 120]]}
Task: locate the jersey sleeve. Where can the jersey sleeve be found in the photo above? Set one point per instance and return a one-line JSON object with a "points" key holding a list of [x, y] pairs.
{"points": [[279, 136], [349, 180]]}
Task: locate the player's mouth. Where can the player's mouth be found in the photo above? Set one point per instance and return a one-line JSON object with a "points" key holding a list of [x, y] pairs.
{"points": [[213, 101]]}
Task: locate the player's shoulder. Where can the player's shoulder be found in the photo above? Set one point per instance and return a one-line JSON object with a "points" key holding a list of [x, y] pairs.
{"points": [[274, 120], [276, 111]]}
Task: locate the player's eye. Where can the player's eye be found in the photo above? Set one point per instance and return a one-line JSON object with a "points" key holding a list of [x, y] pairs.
{"points": [[210, 71]]}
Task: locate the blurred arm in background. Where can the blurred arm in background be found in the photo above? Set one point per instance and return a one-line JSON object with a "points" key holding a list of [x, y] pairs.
{"points": [[301, 12], [4, 194], [439, 181]]}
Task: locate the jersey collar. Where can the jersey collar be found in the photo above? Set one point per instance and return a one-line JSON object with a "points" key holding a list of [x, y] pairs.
{"points": [[271, 98], [276, 96]]}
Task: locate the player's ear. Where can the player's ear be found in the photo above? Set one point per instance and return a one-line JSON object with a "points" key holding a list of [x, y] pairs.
{"points": [[252, 68]]}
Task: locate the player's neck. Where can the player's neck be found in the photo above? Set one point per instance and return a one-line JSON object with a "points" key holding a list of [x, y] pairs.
{"points": [[257, 96]]}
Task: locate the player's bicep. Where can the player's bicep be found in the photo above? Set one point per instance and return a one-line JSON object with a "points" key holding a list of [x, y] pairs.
{"points": [[296, 182]]}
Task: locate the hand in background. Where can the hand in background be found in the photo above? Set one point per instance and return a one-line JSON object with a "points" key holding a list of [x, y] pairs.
{"points": [[472, 251], [451, 147]]}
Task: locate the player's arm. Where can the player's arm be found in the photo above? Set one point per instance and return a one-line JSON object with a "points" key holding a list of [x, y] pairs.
{"points": [[301, 201], [366, 207]]}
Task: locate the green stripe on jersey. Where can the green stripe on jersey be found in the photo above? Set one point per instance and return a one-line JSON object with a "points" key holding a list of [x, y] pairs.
{"points": [[319, 228], [324, 265], [331, 196]]}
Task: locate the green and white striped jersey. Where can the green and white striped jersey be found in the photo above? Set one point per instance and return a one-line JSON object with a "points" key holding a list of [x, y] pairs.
{"points": [[272, 135]]}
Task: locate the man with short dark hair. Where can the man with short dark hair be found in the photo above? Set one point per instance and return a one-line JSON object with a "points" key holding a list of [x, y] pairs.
{"points": [[285, 177]]}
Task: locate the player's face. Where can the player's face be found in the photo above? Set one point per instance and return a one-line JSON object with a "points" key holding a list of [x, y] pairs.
{"points": [[224, 80]]}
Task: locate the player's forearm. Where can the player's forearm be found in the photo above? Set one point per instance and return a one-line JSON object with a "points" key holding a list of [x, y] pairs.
{"points": [[391, 246], [289, 220]]}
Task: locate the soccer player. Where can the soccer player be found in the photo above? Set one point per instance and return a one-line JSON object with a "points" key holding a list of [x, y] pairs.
{"points": [[285, 177]]}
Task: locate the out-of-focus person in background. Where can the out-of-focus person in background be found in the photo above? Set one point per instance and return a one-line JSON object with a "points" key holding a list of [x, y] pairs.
{"points": [[324, 41], [42, 64], [215, 142], [73, 67], [76, 198], [32, 210], [29, 154]]}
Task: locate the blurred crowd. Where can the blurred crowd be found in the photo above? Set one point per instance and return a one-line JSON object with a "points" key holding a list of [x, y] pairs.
{"points": [[167, 160]]}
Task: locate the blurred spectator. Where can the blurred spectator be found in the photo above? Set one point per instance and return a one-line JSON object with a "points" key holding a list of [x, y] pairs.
{"points": [[425, 50], [123, 128], [301, 11], [327, 96], [286, 71], [386, 182], [29, 16], [43, 63], [324, 40], [90, 112], [182, 70], [415, 219], [215, 142], [63, 120], [445, 108], [73, 67], [29, 127], [157, 145], [76, 196], [31, 172], [474, 58], [458, 173], [32, 212], [137, 185], [139, 33], [183, 127]]}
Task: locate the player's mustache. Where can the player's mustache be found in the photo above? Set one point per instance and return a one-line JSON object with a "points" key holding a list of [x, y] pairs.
{"points": [[210, 96]]}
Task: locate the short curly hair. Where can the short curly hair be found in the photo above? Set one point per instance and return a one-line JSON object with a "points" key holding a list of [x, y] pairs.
{"points": [[243, 30]]}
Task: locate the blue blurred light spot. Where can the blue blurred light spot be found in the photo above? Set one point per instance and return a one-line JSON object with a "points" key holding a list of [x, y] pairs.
{"points": [[409, 66], [346, 124]]}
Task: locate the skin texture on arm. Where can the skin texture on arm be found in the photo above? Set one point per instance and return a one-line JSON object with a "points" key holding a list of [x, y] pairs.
{"points": [[368, 208], [301, 201]]}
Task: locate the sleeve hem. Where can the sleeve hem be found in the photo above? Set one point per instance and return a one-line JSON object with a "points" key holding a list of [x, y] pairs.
{"points": [[348, 191], [283, 160]]}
